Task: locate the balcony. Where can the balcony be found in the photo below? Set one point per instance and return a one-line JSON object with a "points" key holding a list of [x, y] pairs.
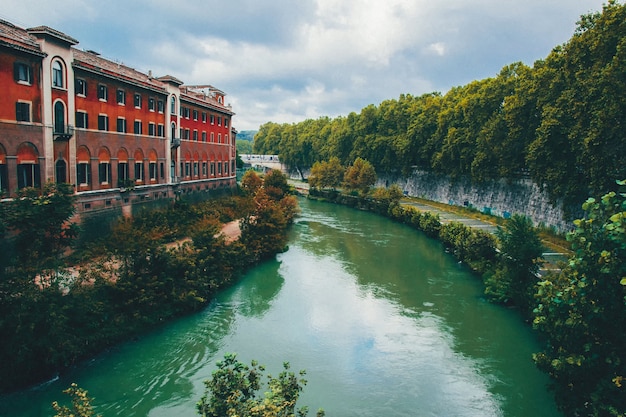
{"points": [[175, 143], [63, 133]]}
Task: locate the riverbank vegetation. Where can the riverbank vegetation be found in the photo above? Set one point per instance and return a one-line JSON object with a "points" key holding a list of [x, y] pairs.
{"points": [[57, 309], [233, 390], [560, 122], [579, 311]]}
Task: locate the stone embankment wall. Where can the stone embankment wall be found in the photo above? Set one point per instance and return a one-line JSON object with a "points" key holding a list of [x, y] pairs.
{"points": [[502, 198]]}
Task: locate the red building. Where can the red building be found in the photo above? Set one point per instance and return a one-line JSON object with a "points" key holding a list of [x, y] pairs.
{"points": [[120, 136]]}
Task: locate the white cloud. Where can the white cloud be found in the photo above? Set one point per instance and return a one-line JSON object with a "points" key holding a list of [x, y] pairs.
{"points": [[285, 61]]}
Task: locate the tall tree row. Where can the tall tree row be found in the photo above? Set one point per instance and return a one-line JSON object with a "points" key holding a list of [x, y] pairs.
{"points": [[561, 122]]}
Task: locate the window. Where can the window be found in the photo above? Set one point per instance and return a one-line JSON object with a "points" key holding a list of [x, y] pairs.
{"points": [[196, 171], [203, 136], [138, 101], [121, 97], [81, 119], [59, 117], [212, 119], [204, 169], [137, 127], [187, 169], [80, 87], [203, 117], [151, 129], [104, 172], [57, 74], [121, 125], [160, 106], [28, 175], [184, 111], [82, 173], [103, 122], [61, 171], [219, 120], [219, 138], [187, 134], [4, 178], [23, 73], [173, 105], [212, 169], [139, 171], [152, 170], [212, 137], [161, 131], [195, 115], [151, 104], [103, 92], [219, 168], [225, 122], [174, 130], [226, 168], [22, 111], [122, 172], [195, 135]]}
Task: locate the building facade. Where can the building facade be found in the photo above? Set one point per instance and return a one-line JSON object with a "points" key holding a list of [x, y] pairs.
{"points": [[121, 136]]}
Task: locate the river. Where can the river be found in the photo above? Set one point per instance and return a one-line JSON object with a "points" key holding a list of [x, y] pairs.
{"points": [[382, 319]]}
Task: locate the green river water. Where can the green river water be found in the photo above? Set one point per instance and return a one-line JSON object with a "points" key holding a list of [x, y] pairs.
{"points": [[382, 319]]}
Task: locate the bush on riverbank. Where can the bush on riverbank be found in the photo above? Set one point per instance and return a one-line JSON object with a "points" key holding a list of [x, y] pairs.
{"points": [[129, 282]]}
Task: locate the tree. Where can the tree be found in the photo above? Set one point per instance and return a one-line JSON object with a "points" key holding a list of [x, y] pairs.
{"points": [[275, 184], [233, 391], [360, 176], [582, 313], [327, 174], [251, 182], [520, 253], [81, 404]]}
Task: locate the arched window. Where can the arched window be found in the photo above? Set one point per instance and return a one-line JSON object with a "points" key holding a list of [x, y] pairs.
{"points": [[122, 168], [57, 74], [173, 130], [4, 175], [28, 166], [59, 117], [139, 167], [83, 167], [173, 105], [104, 166], [61, 171]]}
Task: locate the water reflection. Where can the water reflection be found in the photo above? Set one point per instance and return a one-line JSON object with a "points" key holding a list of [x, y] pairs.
{"points": [[384, 322]]}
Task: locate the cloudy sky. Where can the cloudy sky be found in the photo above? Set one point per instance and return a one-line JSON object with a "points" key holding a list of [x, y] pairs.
{"points": [[289, 60]]}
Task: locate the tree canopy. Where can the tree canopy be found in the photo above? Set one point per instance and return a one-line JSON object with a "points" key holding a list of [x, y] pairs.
{"points": [[560, 122]]}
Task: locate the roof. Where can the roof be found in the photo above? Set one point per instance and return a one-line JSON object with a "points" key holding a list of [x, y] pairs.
{"points": [[48, 31], [17, 38], [92, 62]]}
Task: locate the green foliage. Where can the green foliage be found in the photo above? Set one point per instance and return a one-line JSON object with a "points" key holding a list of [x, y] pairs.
{"points": [[520, 253], [233, 390], [360, 176], [39, 222], [51, 316], [251, 182], [582, 310], [327, 174], [81, 404], [557, 122]]}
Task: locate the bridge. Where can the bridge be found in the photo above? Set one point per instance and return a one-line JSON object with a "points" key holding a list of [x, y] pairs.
{"points": [[264, 162]]}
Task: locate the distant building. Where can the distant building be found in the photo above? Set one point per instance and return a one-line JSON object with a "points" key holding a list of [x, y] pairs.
{"points": [[122, 137]]}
